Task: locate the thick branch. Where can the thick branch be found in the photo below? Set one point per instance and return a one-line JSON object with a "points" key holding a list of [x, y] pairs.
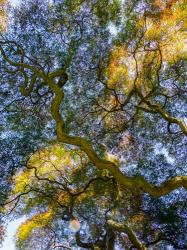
{"points": [[86, 146], [23, 65], [126, 229], [129, 182]]}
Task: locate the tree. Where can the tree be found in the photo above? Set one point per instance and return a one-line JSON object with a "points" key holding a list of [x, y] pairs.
{"points": [[99, 123]]}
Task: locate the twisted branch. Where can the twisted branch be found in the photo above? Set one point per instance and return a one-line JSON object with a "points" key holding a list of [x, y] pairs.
{"points": [[86, 146], [129, 182]]}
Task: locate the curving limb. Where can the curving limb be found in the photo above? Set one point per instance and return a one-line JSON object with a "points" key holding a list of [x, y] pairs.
{"points": [[129, 182], [126, 229], [86, 146]]}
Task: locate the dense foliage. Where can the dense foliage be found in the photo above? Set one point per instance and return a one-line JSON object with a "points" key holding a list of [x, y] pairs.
{"points": [[93, 130]]}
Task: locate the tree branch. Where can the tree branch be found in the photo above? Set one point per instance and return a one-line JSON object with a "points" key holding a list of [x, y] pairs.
{"points": [[126, 229], [86, 146], [163, 113]]}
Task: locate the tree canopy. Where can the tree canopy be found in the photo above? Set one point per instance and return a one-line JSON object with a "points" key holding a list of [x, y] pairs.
{"points": [[93, 123]]}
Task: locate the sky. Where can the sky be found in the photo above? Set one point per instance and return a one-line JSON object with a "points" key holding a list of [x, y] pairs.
{"points": [[14, 2], [9, 244]]}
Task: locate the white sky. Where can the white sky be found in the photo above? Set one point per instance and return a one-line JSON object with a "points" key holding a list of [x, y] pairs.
{"points": [[14, 2], [9, 244]]}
